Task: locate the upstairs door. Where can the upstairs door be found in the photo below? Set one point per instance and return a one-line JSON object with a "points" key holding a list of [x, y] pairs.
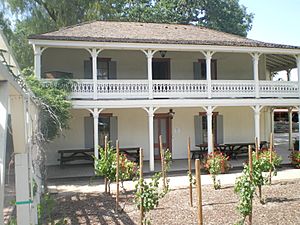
{"points": [[161, 69], [163, 127]]}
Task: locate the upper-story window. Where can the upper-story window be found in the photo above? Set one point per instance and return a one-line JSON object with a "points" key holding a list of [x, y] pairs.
{"points": [[106, 69], [200, 69]]}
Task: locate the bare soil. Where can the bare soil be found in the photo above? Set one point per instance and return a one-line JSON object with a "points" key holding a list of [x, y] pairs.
{"points": [[282, 206]]}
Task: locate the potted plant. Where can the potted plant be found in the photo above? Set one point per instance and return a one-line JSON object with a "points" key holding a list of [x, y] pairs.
{"points": [[216, 163], [295, 157]]}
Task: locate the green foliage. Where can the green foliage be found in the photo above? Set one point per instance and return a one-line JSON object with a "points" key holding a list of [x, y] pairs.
{"points": [[149, 192], [295, 157], [45, 208], [12, 221], [55, 107], [245, 188], [265, 164], [216, 163], [106, 165]]}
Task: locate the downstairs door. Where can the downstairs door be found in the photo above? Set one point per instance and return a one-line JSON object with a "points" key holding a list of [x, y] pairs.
{"points": [[163, 127]]}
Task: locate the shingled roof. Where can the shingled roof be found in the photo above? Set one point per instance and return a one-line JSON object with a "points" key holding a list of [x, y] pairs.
{"points": [[133, 32]]}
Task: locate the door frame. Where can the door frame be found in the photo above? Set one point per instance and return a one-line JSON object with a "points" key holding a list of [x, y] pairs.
{"points": [[168, 131], [168, 61]]}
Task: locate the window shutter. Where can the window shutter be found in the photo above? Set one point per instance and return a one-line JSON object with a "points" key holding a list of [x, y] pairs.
{"points": [[197, 70], [198, 130], [88, 132], [220, 130], [88, 69], [113, 131], [112, 68]]}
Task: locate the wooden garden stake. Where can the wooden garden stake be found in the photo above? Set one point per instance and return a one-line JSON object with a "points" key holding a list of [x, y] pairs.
{"points": [[162, 159], [117, 174], [141, 186], [199, 194], [250, 172], [190, 172], [271, 151], [105, 154], [256, 157]]}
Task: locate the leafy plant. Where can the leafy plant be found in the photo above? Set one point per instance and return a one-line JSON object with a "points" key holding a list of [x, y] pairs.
{"points": [[149, 192], [107, 163], [216, 163], [53, 100], [295, 157]]}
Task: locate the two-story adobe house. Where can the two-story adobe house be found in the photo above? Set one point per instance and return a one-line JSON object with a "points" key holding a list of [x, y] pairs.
{"points": [[136, 81]]}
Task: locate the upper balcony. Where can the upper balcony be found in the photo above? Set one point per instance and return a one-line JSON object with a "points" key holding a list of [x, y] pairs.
{"points": [[120, 74]]}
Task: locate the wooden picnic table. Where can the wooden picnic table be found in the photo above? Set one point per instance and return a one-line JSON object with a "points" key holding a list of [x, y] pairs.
{"points": [[230, 149], [68, 155]]}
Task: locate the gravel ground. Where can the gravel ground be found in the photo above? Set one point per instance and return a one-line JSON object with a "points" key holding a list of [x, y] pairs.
{"points": [[219, 207]]}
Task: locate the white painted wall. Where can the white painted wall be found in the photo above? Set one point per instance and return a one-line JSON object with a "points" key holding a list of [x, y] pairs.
{"points": [[133, 129], [133, 64]]}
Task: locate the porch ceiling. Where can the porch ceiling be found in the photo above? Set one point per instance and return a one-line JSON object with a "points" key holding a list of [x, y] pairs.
{"points": [[280, 62]]}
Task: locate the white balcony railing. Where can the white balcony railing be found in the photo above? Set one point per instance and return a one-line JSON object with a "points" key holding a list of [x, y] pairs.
{"points": [[137, 89]]}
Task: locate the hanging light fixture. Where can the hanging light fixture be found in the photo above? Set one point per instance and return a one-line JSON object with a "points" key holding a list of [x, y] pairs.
{"points": [[163, 53]]}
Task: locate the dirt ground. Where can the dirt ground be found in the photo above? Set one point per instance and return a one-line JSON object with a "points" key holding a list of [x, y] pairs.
{"points": [[282, 202]]}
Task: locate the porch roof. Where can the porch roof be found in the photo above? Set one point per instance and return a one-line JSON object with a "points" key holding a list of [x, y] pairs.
{"points": [[134, 32]]}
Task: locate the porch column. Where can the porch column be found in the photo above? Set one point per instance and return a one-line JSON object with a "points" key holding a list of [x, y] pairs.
{"points": [[37, 61], [94, 54], [290, 112], [149, 54], [298, 72], [96, 132], [3, 134], [23, 201], [209, 114], [257, 109], [208, 56], [255, 60], [272, 120]]}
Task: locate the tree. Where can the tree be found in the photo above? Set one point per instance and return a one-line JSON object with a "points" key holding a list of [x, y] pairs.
{"points": [[40, 16]]}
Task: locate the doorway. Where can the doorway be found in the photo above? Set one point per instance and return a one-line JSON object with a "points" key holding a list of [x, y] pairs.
{"points": [[163, 127], [161, 69]]}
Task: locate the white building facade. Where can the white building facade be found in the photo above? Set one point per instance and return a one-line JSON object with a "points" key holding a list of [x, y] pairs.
{"points": [[136, 81]]}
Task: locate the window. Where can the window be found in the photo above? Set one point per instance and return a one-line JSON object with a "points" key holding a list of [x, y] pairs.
{"points": [[204, 127], [103, 129], [103, 68], [200, 69]]}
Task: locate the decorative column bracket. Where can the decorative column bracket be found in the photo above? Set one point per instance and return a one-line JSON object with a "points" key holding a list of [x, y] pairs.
{"points": [[257, 109], [208, 56], [255, 60], [151, 111], [94, 53], [149, 54], [95, 112]]}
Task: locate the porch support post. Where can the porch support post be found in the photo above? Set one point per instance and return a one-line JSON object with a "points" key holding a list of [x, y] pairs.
{"points": [[272, 120], [95, 113], [256, 110], [151, 110], [290, 112], [23, 200], [208, 56], [37, 61], [94, 53], [298, 72], [298, 107], [255, 60], [149, 54], [209, 115], [3, 133]]}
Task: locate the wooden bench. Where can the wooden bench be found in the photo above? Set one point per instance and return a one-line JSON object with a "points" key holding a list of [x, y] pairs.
{"points": [[68, 155]]}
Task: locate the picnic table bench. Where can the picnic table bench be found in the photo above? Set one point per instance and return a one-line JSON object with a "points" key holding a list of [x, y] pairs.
{"points": [[230, 149], [68, 155]]}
